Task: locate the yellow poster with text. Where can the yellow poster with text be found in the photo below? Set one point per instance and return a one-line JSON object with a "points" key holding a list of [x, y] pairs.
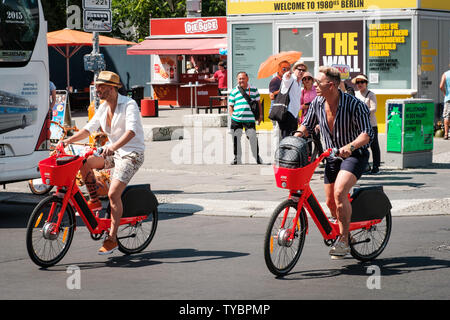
{"points": [[272, 7]]}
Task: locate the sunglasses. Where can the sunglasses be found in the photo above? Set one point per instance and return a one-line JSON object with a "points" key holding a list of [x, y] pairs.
{"points": [[307, 78], [360, 82], [301, 70]]}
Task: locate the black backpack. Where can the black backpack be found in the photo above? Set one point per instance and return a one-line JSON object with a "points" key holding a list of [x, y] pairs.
{"points": [[292, 153]]}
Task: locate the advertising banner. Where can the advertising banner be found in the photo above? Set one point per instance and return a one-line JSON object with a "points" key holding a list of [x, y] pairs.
{"points": [[389, 54], [58, 114], [419, 129], [287, 6], [165, 69], [341, 45], [188, 26]]}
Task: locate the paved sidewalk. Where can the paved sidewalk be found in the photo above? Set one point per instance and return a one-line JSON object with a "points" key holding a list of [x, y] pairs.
{"points": [[193, 175]]}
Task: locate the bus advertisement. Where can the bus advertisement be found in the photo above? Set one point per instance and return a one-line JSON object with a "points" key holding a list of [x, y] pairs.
{"points": [[24, 89]]}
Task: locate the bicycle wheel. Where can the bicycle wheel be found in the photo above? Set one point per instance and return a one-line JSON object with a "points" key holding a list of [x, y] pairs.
{"points": [[47, 245], [281, 253], [134, 238], [367, 244], [38, 187]]}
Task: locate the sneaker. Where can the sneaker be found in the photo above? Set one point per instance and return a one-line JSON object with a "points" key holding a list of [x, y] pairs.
{"points": [[374, 170], [339, 250], [95, 205], [108, 247], [236, 161]]}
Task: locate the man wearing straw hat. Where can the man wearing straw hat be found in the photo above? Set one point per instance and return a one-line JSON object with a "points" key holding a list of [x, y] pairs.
{"points": [[118, 116]]}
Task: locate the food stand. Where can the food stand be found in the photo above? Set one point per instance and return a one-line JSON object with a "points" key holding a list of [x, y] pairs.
{"points": [[185, 52], [402, 46]]}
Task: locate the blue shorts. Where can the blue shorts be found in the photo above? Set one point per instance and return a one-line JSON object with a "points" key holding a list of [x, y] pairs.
{"points": [[356, 164]]}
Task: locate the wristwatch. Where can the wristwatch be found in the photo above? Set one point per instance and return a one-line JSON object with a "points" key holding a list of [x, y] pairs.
{"points": [[352, 148]]}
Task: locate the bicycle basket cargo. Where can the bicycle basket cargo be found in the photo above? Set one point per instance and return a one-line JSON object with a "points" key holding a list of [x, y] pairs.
{"points": [[292, 153], [59, 171]]}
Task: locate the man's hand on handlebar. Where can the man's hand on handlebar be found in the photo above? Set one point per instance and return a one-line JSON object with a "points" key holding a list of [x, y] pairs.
{"points": [[107, 151]]}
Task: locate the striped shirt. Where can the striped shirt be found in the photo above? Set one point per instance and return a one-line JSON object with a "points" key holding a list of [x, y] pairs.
{"points": [[241, 109], [352, 119]]}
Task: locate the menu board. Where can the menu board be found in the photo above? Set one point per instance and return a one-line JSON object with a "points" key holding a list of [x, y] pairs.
{"points": [[252, 45]]}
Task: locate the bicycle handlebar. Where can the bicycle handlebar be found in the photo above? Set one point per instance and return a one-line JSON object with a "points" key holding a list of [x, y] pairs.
{"points": [[331, 152]]}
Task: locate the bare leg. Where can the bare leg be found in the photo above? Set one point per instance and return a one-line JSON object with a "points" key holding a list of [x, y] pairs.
{"points": [[115, 201], [329, 196], [344, 182], [88, 175]]}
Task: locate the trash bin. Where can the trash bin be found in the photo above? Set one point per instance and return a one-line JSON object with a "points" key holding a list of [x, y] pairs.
{"points": [[137, 94], [149, 107]]}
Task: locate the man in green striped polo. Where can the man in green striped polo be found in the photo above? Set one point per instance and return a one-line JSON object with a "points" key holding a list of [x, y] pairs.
{"points": [[242, 117]]}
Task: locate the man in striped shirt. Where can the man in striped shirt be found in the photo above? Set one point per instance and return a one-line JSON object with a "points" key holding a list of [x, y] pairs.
{"points": [[242, 117], [344, 124]]}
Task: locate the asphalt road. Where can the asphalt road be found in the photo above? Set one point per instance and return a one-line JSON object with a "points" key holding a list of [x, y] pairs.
{"points": [[210, 257]]}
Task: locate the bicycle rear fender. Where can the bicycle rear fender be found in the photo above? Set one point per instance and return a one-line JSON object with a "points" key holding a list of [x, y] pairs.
{"points": [[369, 203]]}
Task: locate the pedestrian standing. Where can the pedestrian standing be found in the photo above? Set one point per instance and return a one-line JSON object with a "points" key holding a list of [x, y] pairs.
{"points": [[274, 89], [292, 82], [242, 117], [445, 88], [369, 98]]}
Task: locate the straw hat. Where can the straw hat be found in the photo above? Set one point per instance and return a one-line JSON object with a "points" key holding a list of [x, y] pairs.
{"points": [[360, 77], [299, 63], [307, 74], [109, 78]]}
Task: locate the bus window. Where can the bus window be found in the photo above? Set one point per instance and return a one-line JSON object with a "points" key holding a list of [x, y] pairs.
{"points": [[19, 25]]}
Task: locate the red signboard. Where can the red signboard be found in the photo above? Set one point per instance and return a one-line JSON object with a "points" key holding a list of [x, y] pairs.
{"points": [[188, 26]]}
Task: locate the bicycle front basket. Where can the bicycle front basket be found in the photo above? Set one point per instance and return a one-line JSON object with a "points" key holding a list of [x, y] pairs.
{"points": [[59, 172]]}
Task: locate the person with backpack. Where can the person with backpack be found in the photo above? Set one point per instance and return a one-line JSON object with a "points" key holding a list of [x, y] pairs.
{"points": [[369, 98]]}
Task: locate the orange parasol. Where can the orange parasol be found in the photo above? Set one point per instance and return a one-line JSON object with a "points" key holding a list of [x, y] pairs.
{"points": [[270, 66], [73, 38]]}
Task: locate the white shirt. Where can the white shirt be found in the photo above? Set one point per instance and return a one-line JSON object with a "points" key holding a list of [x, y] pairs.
{"points": [[369, 98], [126, 117], [294, 93]]}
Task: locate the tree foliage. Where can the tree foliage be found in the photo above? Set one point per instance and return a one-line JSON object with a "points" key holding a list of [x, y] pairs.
{"points": [[131, 18]]}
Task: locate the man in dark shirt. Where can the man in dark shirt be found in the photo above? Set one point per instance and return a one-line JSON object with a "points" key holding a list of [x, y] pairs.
{"points": [[344, 124]]}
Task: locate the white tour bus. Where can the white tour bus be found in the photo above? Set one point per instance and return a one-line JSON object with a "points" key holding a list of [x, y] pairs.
{"points": [[24, 89]]}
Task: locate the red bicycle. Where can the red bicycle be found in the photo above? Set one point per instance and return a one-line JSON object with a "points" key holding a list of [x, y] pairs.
{"points": [[52, 223], [370, 225]]}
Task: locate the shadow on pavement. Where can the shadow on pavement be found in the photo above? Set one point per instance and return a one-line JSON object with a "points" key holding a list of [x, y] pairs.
{"points": [[185, 255], [388, 267]]}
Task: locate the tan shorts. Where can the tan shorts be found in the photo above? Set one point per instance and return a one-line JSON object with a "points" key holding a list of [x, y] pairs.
{"points": [[446, 113], [124, 167]]}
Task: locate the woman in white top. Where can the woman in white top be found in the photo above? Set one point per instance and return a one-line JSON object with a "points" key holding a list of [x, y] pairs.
{"points": [[369, 98]]}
